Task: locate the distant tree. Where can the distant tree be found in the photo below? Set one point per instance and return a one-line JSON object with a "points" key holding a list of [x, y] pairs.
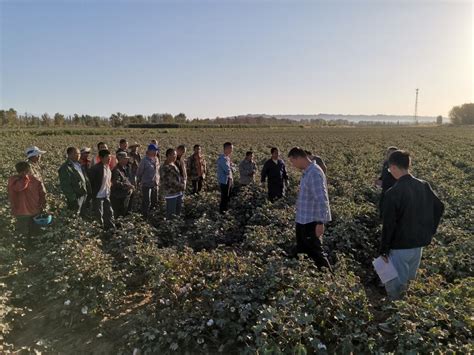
{"points": [[180, 118], [117, 119], [10, 118], [439, 119], [45, 120], [462, 115], [59, 119]]}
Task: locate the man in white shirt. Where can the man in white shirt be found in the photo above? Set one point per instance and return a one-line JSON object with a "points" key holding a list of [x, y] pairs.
{"points": [[100, 177]]}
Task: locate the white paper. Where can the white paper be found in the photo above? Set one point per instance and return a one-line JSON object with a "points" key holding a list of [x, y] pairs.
{"points": [[386, 271]]}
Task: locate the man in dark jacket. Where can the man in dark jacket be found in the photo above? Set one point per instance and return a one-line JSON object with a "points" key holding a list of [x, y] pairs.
{"points": [[275, 170], [74, 181], [122, 187], [411, 214], [100, 177]]}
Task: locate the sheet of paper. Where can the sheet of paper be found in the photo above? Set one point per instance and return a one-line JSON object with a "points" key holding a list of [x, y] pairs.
{"points": [[386, 271]]}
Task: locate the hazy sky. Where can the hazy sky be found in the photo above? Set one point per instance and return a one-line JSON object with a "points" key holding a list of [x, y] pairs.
{"points": [[220, 58]]}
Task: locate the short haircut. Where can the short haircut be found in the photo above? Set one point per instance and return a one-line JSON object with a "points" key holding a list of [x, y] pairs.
{"points": [[274, 149], [22, 166], [297, 152], [400, 159], [103, 153], [169, 152], [227, 145], [196, 146], [123, 140], [249, 153], [181, 147], [99, 144], [69, 150]]}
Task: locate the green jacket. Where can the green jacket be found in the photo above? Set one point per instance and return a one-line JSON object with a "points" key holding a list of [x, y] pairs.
{"points": [[72, 185]]}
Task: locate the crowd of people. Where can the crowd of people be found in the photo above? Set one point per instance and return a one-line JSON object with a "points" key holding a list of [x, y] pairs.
{"points": [[105, 185]]}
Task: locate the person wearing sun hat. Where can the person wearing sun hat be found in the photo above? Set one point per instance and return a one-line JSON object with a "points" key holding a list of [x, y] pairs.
{"points": [[33, 156]]}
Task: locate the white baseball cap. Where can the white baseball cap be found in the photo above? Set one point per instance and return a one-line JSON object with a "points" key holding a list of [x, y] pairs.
{"points": [[33, 152]]}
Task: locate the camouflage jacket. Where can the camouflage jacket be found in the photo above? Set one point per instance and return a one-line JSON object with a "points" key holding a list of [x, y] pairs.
{"points": [[171, 181]]}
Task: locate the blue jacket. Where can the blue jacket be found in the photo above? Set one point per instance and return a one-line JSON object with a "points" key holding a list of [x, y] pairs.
{"points": [[224, 169]]}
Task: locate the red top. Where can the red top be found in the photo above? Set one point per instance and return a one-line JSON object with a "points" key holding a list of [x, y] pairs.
{"points": [[26, 194]]}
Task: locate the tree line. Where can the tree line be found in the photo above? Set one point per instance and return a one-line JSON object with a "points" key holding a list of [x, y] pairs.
{"points": [[459, 115]]}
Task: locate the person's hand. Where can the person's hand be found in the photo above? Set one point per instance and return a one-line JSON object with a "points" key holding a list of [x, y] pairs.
{"points": [[378, 183], [385, 258], [319, 230]]}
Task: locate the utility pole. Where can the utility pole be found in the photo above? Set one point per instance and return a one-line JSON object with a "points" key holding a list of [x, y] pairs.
{"points": [[416, 107]]}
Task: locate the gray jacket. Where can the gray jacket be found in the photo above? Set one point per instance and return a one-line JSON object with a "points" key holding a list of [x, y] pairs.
{"points": [[247, 171]]}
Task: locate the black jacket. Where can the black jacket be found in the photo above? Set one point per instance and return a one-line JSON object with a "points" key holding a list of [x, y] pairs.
{"points": [[411, 214], [96, 174], [276, 173]]}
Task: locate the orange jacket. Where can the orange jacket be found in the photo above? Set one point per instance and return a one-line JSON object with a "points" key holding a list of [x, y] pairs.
{"points": [[26, 194]]}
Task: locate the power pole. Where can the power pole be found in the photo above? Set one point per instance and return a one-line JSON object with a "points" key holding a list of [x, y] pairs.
{"points": [[416, 107]]}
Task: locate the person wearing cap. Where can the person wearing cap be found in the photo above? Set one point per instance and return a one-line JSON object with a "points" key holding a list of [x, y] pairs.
{"points": [[122, 187], [148, 176], [172, 184], [100, 177], [33, 156], [27, 199], [123, 146], [181, 163], [155, 142], [197, 169], [84, 159], [134, 160], [97, 159], [73, 181]]}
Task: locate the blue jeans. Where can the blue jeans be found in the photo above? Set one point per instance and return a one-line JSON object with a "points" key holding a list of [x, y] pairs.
{"points": [[406, 262]]}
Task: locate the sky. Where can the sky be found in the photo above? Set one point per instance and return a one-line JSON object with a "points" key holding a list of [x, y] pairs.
{"points": [[225, 58]]}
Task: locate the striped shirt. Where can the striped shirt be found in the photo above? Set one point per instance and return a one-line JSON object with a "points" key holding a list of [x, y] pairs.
{"points": [[313, 201]]}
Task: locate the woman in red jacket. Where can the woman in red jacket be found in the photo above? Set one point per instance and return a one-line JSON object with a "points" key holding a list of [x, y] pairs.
{"points": [[27, 198]]}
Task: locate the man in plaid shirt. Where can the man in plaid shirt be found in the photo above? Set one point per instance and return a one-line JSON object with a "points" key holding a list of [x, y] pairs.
{"points": [[312, 208]]}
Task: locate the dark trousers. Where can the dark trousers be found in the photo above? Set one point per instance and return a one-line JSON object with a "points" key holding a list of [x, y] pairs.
{"points": [[26, 226], [103, 212], [149, 199], [197, 185], [173, 206], [275, 191], [121, 206], [226, 190], [308, 243]]}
